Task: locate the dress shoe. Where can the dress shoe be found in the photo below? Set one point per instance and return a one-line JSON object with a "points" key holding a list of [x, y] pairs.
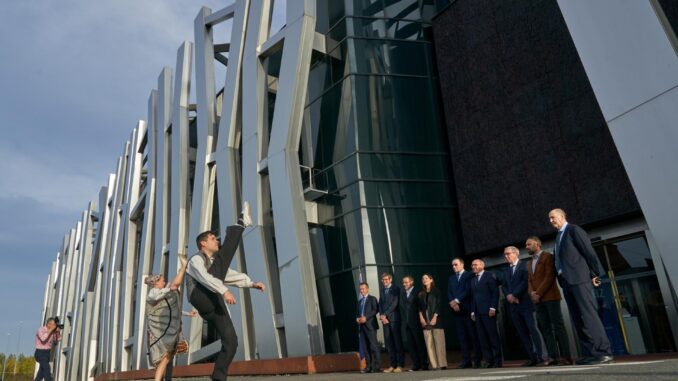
{"points": [[529, 363], [365, 370], [464, 365], [499, 365], [443, 368], [566, 361], [397, 369], [388, 370], [599, 360], [585, 360], [551, 363], [476, 365], [485, 365]]}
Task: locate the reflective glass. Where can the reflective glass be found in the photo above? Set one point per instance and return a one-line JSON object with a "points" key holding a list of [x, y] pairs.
{"points": [[407, 194], [400, 166], [390, 118]]}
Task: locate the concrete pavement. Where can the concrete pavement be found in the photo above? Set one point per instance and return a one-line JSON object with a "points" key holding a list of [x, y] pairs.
{"points": [[655, 370]]}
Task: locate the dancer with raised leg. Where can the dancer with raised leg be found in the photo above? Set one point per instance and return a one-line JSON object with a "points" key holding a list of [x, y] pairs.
{"points": [[207, 292]]}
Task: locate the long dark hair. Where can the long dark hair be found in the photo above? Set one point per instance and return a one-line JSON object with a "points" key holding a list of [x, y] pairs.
{"points": [[422, 293]]}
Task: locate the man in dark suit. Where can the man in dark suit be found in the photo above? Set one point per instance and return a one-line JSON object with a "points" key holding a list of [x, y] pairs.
{"points": [[410, 313], [390, 320], [460, 299], [520, 305], [578, 271], [545, 295], [485, 290], [367, 328]]}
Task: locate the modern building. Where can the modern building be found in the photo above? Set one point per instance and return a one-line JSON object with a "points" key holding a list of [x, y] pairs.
{"points": [[379, 136]]}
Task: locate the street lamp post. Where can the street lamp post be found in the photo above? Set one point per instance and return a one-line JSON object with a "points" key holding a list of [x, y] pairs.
{"points": [[18, 341], [4, 366]]}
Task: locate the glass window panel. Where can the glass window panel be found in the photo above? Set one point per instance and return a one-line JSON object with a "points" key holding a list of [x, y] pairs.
{"points": [[338, 33], [332, 126], [338, 63], [408, 236], [402, 9], [339, 175], [367, 27], [319, 78], [369, 56], [400, 166], [410, 194], [408, 58], [630, 256], [374, 8], [404, 30], [390, 118]]}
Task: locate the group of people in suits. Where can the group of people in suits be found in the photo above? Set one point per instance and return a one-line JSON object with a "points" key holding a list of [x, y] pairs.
{"points": [[530, 288], [421, 319]]}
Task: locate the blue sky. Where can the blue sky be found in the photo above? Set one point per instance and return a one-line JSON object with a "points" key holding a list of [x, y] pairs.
{"points": [[74, 79]]}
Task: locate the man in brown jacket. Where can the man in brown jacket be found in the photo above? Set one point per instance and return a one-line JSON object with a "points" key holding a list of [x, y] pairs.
{"points": [[546, 297]]}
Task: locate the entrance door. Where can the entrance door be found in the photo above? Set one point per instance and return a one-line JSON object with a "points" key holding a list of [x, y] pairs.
{"points": [[630, 301]]}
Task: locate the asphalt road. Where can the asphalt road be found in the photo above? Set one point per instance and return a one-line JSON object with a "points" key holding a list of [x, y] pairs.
{"points": [[659, 370]]}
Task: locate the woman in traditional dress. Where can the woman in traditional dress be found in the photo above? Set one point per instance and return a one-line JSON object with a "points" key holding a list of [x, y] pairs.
{"points": [[163, 316]]}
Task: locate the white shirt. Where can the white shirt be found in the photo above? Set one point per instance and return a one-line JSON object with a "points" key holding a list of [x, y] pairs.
{"points": [[514, 264], [563, 228], [233, 278], [535, 259]]}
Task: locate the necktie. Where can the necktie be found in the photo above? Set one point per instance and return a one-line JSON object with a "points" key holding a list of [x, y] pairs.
{"points": [[362, 305], [458, 276], [556, 252], [513, 270]]}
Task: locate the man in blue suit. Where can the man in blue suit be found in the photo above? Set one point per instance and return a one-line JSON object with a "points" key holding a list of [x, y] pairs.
{"points": [[578, 271], [460, 299], [367, 328], [485, 290], [390, 320], [520, 305]]}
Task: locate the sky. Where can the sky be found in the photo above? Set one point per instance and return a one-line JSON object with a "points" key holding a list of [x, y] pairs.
{"points": [[75, 76]]}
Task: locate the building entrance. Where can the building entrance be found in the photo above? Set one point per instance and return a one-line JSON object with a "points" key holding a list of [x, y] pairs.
{"points": [[630, 302]]}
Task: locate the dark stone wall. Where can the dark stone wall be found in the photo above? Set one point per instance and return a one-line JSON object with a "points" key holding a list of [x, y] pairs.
{"points": [[526, 132]]}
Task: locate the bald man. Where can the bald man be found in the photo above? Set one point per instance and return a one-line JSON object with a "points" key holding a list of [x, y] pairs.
{"points": [[578, 271]]}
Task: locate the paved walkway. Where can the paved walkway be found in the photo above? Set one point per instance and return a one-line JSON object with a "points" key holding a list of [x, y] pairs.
{"points": [[655, 370]]}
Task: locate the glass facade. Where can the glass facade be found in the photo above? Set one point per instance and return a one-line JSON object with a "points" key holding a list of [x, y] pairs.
{"points": [[375, 138]]}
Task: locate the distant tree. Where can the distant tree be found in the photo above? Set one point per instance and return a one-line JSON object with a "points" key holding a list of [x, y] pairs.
{"points": [[25, 367]]}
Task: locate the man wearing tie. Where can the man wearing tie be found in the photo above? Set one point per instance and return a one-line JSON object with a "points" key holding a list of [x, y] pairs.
{"points": [[459, 298], [520, 305], [390, 319], [367, 328], [485, 290], [545, 295], [410, 305], [578, 271]]}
